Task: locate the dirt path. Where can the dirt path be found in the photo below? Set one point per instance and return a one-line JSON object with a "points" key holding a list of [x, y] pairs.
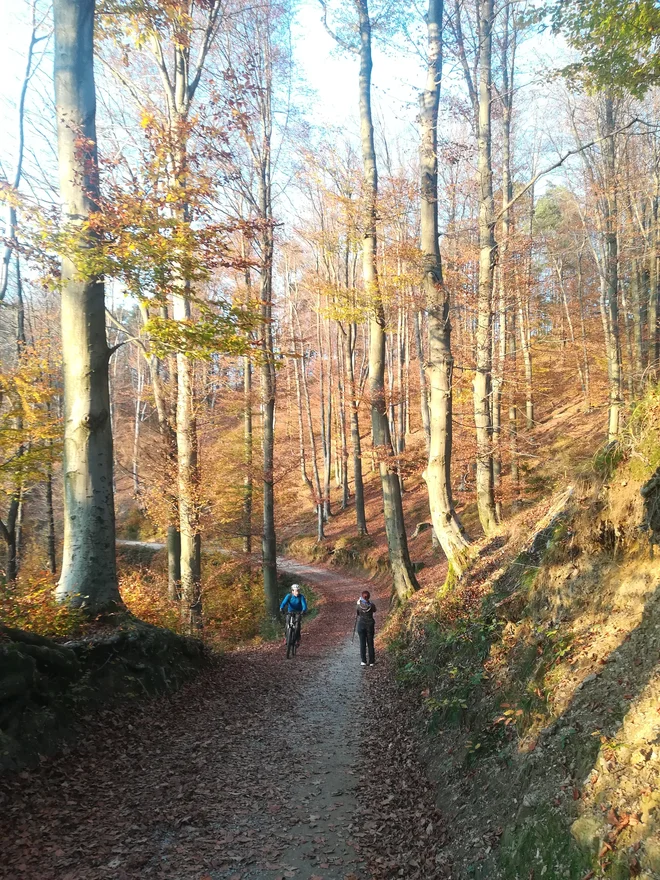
{"points": [[250, 772]]}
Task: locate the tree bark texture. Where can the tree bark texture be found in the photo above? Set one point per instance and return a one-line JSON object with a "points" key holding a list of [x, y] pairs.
{"points": [[188, 479], [89, 574], [487, 247], [446, 524]]}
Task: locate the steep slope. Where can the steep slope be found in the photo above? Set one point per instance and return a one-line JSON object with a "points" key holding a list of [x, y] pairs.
{"points": [[538, 676]]}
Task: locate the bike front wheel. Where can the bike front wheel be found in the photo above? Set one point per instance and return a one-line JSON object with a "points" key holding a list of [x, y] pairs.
{"points": [[291, 642]]}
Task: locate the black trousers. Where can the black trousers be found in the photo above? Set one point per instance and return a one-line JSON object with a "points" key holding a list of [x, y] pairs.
{"points": [[366, 634]]}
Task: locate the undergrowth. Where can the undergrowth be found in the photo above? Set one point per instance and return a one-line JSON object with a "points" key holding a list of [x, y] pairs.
{"points": [[232, 592], [475, 659], [503, 668]]}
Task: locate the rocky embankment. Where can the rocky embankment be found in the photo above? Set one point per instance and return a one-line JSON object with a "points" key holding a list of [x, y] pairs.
{"points": [[45, 686]]}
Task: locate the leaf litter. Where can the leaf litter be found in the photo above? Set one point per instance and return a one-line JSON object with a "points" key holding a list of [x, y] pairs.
{"points": [[260, 769]]}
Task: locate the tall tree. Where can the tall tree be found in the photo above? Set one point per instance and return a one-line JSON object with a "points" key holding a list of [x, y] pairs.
{"points": [[481, 97], [446, 524], [487, 253], [180, 78], [405, 581], [611, 273], [89, 573]]}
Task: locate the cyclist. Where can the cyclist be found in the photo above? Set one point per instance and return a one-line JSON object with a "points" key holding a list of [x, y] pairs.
{"points": [[294, 603]]}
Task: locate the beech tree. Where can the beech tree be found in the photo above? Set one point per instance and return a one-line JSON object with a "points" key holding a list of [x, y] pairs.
{"points": [[479, 82], [89, 573], [173, 35], [404, 578], [446, 523]]}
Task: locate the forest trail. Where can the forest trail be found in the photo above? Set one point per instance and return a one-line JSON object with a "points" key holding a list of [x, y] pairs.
{"points": [[250, 772]]}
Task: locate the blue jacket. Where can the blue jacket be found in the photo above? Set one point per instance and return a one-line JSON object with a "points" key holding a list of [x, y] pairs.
{"points": [[295, 603]]}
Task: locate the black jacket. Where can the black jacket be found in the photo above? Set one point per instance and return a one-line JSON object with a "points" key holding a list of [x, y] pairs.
{"points": [[365, 616]]}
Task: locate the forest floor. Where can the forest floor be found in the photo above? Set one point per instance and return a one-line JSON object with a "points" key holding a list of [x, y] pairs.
{"points": [[262, 768]]}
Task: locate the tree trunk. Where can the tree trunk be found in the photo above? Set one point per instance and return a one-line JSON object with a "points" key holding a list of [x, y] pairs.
{"points": [[169, 452], [20, 518], [583, 332], [401, 360], [247, 448], [188, 480], [50, 518], [654, 336], [612, 276], [636, 297], [89, 573], [405, 582], [559, 268], [317, 493], [8, 532], [446, 524], [188, 474], [248, 439], [423, 386], [507, 303], [301, 427], [326, 423], [136, 426], [524, 329], [269, 543], [174, 563], [356, 443], [499, 348], [341, 369], [487, 248], [268, 388], [513, 421], [327, 512]]}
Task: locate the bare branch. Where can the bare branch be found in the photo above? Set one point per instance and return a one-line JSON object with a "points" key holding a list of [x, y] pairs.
{"points": [[560, 162], [11, 236], [130, 337], [338, 40], [159, 57], [209, 35]]}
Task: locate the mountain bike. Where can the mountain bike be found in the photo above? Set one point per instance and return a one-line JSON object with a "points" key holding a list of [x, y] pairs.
{"points": [[292, 633]]}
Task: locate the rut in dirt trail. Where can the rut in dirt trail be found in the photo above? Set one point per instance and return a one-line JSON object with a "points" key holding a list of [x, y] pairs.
{"points": [[250, 772]]}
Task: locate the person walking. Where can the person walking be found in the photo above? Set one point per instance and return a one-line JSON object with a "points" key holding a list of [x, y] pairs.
{"points": [[366, 626]]}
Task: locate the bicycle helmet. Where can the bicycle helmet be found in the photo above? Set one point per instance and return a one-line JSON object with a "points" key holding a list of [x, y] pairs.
{"points": [[295, 588]]}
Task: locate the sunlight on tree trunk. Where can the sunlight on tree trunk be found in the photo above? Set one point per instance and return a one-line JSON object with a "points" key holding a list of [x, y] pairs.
{"points": [[446, 524], [487, 249], [89, 574]]}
